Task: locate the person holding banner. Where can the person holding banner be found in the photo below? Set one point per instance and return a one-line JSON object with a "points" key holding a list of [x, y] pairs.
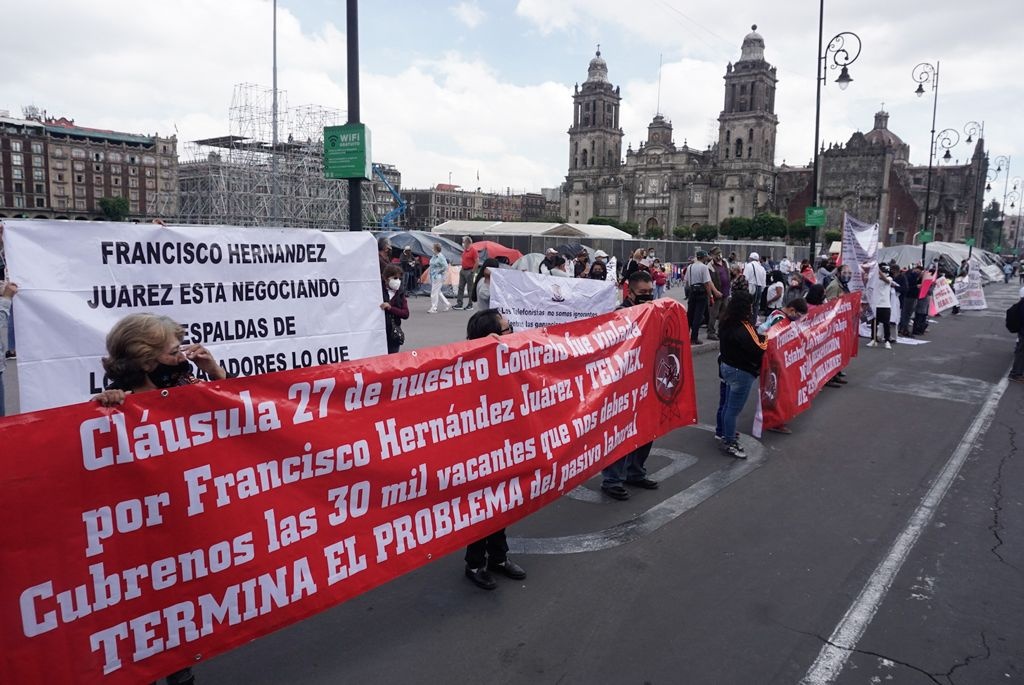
{"points": [[481, 292], [438, 270], [490, 554], [395, 306], [739, 366], [631, 468]]}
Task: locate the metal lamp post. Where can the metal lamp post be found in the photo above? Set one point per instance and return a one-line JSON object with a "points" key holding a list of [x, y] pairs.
{"points": [[835, 55], [927, 73], [993, 175]]}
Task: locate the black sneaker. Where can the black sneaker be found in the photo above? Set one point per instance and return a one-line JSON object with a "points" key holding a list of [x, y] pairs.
{"points": [[615, 492], [733, 449], [481, 577], [509, 569]]}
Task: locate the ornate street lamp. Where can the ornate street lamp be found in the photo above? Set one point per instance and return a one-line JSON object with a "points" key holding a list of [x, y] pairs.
{"points": [[926, 73], [836, 55]]}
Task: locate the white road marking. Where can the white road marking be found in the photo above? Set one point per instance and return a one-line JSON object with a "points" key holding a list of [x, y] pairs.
{"points": [[833, 656], [679, 461], [938, 386]]}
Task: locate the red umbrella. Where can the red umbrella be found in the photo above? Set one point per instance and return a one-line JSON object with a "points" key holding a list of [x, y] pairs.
{"points": [[495, 250]]}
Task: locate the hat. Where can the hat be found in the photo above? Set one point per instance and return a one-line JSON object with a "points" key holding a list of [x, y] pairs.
{"points": [[716, 250], [550, 251], [701, 254], [407, 249], [753, 256], [600, 253]]}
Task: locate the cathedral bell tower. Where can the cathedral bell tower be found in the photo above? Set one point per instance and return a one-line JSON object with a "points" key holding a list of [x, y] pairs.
{"points": [[746, 133], [595, 143]]}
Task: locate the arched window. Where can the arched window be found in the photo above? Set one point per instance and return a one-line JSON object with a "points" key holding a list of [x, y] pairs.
{"points": [[750, 151], [652, 223], [728, 137], [584, 158], [739, 148]]}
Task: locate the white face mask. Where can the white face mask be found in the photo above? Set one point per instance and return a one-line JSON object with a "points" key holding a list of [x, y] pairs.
{"points": [[395, 283]]}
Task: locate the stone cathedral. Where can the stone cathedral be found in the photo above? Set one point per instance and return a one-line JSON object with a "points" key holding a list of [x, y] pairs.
{"points": [[663, 186]]}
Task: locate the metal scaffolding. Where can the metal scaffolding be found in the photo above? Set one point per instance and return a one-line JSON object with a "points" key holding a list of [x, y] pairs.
{"points": [[229, 179]]}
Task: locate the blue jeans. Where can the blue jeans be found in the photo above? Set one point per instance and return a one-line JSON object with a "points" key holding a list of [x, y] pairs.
{"points": [[630, 467], [732, 395]]}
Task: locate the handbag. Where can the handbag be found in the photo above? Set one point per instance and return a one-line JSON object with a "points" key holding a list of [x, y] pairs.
{"points": [[397, 334]]}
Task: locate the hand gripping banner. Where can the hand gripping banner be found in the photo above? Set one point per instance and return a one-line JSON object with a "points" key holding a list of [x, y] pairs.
{"points": [[802, 356], [147, 537]]}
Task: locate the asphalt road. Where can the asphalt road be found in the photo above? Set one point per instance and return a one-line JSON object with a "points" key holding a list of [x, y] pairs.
{"points": [[737, 572]]}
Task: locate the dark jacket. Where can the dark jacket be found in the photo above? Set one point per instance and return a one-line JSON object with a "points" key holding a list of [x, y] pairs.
{"points": [[738, 348], [399, 310]]}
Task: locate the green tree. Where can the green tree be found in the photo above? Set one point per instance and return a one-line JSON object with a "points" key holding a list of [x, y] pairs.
{"points": [[655, 233], [706, 233], [992, 225], [798, 233], [737, 227], [682, 232], [832, 235], [767, 226], [602, 221], [114, 208]]}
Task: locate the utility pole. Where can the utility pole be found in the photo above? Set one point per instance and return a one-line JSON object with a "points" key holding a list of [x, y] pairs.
{"points": [[355, 185]]}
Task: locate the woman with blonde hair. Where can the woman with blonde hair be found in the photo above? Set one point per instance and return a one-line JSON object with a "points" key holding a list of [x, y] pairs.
{"points": [[144, 352]]}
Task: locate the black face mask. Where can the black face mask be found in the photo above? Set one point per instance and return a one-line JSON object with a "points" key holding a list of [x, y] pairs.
{"points": [[171, 376], [646, 297]]}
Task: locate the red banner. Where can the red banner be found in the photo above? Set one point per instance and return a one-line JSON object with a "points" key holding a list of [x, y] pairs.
{"points": [[141, 539], [802, 356]]}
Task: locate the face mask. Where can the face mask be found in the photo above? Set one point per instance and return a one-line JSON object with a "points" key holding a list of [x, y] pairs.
{"points": [[646, 297], [170, 376], [395, 283], [844, 278]]}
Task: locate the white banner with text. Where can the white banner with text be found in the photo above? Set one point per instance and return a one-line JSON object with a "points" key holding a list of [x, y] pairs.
{"points": [[530, 300]]}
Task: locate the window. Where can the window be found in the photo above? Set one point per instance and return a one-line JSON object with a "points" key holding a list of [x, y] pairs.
{"points": [[19, 201], [98, 168], [62, 203], [15, 146], [698, 197], [731, 211], [80, 204], [77, 153], [38, 175], [133, 183], [79, 178], [133, 195], [40, 202], [79, 191], [37, 161], [115, 169], [17, 172], [97, 179], [60, 178], [97, 156], [150, 173], [115, 181], [37, 148], [133, 171], [60, 164], [165, 162], [150, 184], [165, 173], [40, 188], [17, 159], [113, 156], [149, 160], [97, 192], [732, 198], [19, 187], [132, 159], [134, 207], [78, 166], [57, 151], [60, 190], [115, 192]]}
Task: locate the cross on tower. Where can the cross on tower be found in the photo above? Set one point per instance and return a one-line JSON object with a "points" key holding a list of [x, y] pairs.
{"points": [[598, 49]]}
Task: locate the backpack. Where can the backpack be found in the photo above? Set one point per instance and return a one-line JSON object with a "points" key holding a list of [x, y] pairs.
{"points": [[1013, 318]]}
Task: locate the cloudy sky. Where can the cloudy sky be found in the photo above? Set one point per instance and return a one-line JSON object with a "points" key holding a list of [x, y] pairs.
{"points": [[485, 85]]}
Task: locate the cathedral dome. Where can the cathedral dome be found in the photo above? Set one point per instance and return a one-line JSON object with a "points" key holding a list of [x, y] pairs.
{"points": [[753, 46], [597, 72], [881, 133]]}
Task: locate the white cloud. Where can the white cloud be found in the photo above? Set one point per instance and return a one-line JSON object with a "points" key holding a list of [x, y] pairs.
{"points": [[469, 13]]}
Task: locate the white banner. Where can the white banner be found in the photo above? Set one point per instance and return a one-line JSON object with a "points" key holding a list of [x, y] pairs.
{"points": [[860, 247], [942, 297], [970, 293], [530, 300], [260, 299]]}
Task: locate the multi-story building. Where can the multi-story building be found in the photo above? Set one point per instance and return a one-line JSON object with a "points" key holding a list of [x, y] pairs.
{"points": [[429, 207], [54, 169], [871, 177], [661, 185]]}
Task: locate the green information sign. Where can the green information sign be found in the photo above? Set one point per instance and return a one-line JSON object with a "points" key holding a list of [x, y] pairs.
{"points": [[970, 242], [814, 216], [347, 151], [924, 237]]}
